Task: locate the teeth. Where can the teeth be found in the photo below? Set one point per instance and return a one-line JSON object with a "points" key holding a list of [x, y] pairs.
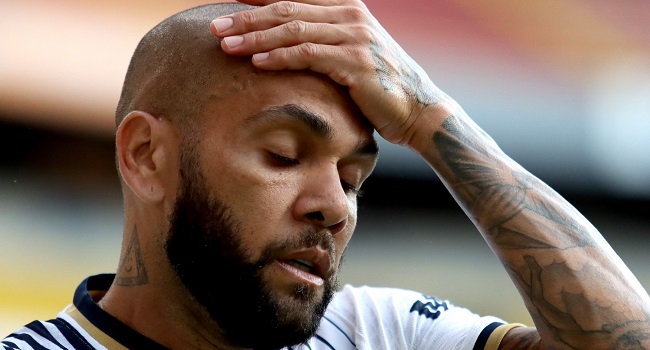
{"points": [[303, 265], [304, 262]]}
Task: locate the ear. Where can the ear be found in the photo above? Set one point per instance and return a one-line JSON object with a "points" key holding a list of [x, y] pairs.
{"points": [[146, 155]]}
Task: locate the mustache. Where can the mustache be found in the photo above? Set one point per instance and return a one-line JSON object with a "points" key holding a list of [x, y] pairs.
{"points": [[304, 240]]}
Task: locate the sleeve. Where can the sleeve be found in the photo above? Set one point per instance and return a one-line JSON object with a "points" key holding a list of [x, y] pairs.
{"points": [[388, 318]]}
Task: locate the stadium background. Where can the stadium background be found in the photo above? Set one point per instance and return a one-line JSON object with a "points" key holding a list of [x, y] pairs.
{"points": [[563, 87]]}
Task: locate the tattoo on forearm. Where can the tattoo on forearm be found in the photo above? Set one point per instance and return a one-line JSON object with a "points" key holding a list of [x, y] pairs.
{"points": [[527, 223], [495, 198], [131, 270], [568, 318], [400, 77]]}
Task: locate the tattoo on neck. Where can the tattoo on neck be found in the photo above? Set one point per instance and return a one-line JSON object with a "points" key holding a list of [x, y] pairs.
{"points": [[131, 271]]}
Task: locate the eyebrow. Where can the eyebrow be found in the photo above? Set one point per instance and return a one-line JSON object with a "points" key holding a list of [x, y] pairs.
{"points": [[368, 148], [314, 122]]}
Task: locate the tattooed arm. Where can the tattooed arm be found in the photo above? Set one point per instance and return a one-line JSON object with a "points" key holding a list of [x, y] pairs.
{"points": [[577, 290], [579, 293]]}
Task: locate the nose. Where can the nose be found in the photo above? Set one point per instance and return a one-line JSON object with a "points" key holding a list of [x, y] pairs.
{"points": [[323, 202]]}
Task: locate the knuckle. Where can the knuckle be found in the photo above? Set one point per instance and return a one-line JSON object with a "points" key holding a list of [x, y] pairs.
{"points": [[360, 4], [308, 49], [247, 18], [363, 33], [355, 14], [256, 37], [296, 28], [357, 54], [286, 10]]}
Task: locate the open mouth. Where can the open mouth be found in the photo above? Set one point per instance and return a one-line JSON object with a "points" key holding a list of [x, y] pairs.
{"points": [[309, 264], [304, 265]]}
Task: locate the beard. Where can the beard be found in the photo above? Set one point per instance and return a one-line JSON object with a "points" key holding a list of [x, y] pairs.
{"points": [[204, 248]]}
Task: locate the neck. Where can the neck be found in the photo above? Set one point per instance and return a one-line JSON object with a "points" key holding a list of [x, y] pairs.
{"points": [[155, 312]]}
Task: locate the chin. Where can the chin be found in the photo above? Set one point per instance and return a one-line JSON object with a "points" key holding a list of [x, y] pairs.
{"points": [[300, 304], [297, 298]]}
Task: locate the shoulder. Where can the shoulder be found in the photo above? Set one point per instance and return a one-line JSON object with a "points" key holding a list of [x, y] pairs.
{"points": [[380, 300], [374, 317], [53, 334]]}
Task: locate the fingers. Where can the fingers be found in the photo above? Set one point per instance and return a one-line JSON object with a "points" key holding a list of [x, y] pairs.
{"points": [[341, 64], [285, 24], [267, 17], [302, 34], [340, 39], [287, 35], [313, 2], [282, 13]]}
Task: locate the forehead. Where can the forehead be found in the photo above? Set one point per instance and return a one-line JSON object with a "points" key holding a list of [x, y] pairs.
{"points": [[268, 97]]}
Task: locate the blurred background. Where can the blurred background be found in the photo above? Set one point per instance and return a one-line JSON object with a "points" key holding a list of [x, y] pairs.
{"points": [[563, 87]]}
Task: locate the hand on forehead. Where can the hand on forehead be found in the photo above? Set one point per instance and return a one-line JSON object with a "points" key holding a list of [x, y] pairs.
{"points": [[341, 39]]}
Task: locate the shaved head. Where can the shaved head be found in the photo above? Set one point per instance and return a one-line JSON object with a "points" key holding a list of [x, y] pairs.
{"points": [[174, 66], [235, 237]]}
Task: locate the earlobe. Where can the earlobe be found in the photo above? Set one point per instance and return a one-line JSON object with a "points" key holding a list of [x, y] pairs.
{"points": [[144, 146]]}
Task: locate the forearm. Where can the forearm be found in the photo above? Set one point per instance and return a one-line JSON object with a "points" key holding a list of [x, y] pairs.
{"points": [[579, 293]]}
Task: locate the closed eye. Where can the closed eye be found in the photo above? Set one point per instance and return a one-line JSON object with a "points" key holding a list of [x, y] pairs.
{"points": [[349, 188], [281, 160]]}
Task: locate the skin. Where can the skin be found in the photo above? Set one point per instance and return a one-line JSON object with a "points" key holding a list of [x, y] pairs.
{"points": [[294, 178], [281, 177], [577, 290]]}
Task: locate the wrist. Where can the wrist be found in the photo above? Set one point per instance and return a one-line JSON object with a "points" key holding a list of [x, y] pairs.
{"points": [[429, 120]]}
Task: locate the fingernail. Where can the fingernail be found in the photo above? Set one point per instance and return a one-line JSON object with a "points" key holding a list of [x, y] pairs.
{"points": [[233, 41], [258, 57], [222, 24]]}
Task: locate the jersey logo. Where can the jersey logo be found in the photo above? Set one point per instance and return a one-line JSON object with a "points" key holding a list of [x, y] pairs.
{"points": [[432, 308]]}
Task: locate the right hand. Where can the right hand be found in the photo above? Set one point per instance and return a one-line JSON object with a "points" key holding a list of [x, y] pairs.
{"points": [[341, 39]]}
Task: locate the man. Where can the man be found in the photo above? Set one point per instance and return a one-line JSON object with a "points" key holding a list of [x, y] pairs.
{"points": [[240, 184]]}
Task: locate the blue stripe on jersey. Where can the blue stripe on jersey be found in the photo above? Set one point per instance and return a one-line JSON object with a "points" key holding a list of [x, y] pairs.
{"points": [[324, 341], [40, 329], [7, 345], [71, 335], [108, 324], [485, 334], [339, 328], [28, 339]]}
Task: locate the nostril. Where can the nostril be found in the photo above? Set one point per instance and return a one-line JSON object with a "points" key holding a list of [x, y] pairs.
{"points": [[315, 215], [338, 227]]}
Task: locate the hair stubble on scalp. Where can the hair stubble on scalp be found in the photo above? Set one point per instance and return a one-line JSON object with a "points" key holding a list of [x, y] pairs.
{"points": [[175, 67]]}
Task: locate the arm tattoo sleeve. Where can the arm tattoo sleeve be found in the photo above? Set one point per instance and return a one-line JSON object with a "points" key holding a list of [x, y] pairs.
{"points": [[579, 293]]}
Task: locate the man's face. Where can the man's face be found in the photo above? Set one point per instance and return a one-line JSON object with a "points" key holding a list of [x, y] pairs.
{"points": [[267, 205]]}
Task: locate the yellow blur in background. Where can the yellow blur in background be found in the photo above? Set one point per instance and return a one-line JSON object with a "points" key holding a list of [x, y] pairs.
{"points": [[564, 88]]}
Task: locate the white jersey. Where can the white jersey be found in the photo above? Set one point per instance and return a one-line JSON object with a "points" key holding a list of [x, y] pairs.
{"points": [[357, 318]]}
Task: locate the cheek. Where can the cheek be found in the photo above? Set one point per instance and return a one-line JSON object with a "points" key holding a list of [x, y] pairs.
{"points": [[247, 184], [343, 238], [260, 203]]}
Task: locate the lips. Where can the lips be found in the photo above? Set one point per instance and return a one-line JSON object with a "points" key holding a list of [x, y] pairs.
{"points": [[304, 265], [315, 261]]}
